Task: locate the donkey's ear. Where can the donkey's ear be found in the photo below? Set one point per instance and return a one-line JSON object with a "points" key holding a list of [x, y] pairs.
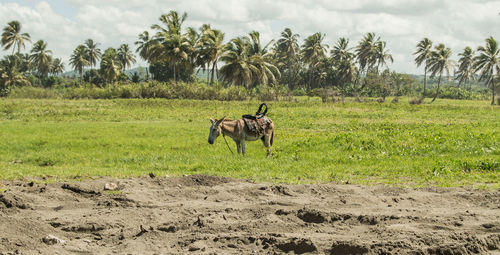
{"points": [[219, 121], [211, 120]]}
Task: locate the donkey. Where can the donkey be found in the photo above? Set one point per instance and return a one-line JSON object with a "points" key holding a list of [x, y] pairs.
{"points": [[240, 132]]}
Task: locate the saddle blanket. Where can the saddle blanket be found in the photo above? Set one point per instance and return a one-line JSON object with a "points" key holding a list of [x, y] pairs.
{"points": [[257, 126]]}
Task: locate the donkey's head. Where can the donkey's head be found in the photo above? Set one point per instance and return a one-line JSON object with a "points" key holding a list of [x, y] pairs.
{"points": [[215, 130]]}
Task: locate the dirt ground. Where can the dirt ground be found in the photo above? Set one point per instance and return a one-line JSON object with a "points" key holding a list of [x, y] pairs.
{"points": [[217, 215]]}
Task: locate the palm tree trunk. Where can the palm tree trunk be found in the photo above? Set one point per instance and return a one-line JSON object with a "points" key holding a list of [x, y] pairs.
{"points": [[437, 91], [492, 91], [175, 70], [213, 73], [208, 72], [425, 81]]}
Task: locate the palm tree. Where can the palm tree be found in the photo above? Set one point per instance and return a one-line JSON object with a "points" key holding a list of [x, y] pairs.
{"points": [[10, 72], [382, 55], [440, 61], [41, 58], [126, 56], [287, 49], [366, 53], [93, 53], [237, 68], [193, 38], [488, 63], [211, 48], [173, 49], [423, 53], [341, 50], [169, 44], [313, 52], [57, 66], [12, 37], [465, 70], [144, 45], [342, 58], [263, 71], [110, 65], [172, 21], [79, 60]]}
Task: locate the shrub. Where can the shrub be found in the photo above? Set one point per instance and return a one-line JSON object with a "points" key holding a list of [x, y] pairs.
{"points": [[416, 100]]}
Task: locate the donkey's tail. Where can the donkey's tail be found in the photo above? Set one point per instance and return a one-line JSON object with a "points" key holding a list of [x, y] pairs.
{"points": [[272, 137]]}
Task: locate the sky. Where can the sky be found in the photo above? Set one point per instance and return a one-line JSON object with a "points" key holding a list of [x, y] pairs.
{"points": [[64, 24]]}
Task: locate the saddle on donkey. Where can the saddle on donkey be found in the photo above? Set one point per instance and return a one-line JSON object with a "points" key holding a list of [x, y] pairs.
{"points": [[257, 123]]}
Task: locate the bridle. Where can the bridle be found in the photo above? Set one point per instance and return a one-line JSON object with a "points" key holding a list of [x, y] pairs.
{"points": [[224, 136]]}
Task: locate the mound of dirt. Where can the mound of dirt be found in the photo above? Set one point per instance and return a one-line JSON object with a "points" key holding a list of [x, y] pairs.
{"points": [[217, 215]]}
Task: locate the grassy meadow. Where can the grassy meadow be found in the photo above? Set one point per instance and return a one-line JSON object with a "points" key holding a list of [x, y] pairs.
{"points": [[447, 143]]}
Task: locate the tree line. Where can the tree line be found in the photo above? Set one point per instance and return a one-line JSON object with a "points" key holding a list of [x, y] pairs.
{"points": [[175, 52]]}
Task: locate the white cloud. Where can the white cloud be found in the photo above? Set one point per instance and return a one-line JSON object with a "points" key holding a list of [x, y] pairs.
{"points": [[402, 23]]}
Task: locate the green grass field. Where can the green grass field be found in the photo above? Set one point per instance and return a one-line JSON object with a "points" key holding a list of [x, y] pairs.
{"points": [[447, 143]]}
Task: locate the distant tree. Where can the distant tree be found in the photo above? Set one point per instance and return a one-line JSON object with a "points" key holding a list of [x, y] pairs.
{"points": [[144, 45], [382, 55], [57, 66], [465, 71], [93, 54], [248, 63], [41, 58], [110, 65], [78, 60], [236, 68], [342, 58], [170, 45], [135, 78], [488, 64], [313, 52], [366, 54], [10, 74], [126, 56], [287, 51], [440, 61], [210, 48], [12, 36], [423, 54]]}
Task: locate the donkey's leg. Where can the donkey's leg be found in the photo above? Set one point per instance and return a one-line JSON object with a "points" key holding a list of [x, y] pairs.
{"points": [[243, 147], [267, 143], [238, 146]]}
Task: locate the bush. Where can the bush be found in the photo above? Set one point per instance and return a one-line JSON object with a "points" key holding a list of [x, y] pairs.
{"points": [[151, 89]]}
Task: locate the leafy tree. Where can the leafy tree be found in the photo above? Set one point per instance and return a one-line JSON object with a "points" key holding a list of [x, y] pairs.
{"points": [[170, 45], [93, 76], [92, 53], [135, 78], [10, 74], [382, 55], [41, 58], [110, 65], [79, 60], [423, 54], [313, 52], [57, 66], [366, 53], [287, 51], [210, 48], [440, 61], [126, 56], [465, 71], [342, 58], [237, 69], [12, 36], [488, 64], [247, 62], [144, 45]]}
